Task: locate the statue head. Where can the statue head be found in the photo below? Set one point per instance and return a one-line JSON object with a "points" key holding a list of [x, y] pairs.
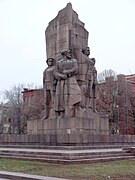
{"points": [[50, 61], [66, 53], [93, 60], [86, 51]]}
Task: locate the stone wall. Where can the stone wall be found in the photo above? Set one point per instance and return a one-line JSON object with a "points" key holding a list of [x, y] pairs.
{"points": [[68, 139]]}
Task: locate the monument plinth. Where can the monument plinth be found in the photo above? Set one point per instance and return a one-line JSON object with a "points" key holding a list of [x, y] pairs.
{"points": [[69, 82]]}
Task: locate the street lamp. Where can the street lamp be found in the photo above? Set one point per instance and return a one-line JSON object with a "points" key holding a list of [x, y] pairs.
{"points": [[118, 128]]}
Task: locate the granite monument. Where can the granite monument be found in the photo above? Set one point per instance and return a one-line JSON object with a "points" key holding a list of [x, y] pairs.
{"points": [[69, 82]]}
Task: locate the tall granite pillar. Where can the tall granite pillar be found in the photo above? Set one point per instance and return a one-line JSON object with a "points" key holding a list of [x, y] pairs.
{"points": [[65, 31]]}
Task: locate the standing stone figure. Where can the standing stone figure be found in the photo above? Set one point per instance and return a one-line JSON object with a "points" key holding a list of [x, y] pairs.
{"points": [[94, 88], [49, 86], [68, 92], [91, 80]]}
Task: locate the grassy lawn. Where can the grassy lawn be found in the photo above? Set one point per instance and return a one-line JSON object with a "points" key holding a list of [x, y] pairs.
{"points": [[120, 170]]}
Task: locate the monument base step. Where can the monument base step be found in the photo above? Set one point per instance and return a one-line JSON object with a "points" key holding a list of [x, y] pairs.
{"points": [[78, 161], [64, 147], [66, 156]]}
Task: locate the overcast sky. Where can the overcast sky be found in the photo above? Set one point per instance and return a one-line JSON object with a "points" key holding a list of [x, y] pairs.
{"points": [[111, 26]]}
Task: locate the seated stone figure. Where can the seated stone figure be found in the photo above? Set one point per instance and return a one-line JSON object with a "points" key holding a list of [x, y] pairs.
{"points": [[68, 92]]}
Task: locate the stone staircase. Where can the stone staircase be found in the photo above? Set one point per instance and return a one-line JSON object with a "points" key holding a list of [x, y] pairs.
{"points": [[67, 155]]}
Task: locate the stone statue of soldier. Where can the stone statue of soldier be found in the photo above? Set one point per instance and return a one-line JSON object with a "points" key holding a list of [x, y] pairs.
{"points": [[94, 84], [90, 81], [68, 92], [49, 86]]}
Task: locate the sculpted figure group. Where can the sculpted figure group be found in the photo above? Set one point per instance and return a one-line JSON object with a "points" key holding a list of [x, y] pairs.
{"points": [[69, 85]]}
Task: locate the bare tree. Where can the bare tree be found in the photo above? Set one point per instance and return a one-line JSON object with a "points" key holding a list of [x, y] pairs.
{"points": [[107, 93], [115, 95], [106, 73], [18, 111], [14, 99], [130, 105]]}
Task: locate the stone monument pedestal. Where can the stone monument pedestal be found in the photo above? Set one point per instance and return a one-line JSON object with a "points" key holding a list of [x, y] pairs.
{"points": [[85, 124]]}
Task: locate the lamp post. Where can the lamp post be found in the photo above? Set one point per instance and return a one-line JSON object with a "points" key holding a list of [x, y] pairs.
{"points": [[117, 107], [118, 121]]}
